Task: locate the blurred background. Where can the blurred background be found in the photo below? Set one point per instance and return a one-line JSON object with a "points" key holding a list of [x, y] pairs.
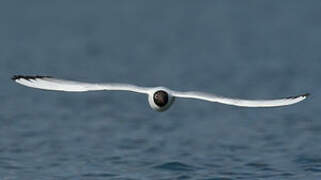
{"points": [[247, 49]]}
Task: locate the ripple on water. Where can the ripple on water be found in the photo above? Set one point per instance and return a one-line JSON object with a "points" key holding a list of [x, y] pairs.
{"points": [[96, 175], [175, 166], [259, 166], [310, 164], [219, 178]]}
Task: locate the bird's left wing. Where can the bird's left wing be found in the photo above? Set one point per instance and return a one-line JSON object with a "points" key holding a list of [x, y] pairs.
{"points": [[50, 83], [241, 102]]}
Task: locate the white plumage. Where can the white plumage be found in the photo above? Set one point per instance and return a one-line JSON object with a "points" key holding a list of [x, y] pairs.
{"points": [[50, 83]]}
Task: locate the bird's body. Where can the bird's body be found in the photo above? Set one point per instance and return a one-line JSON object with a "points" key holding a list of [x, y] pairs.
{"points": [[159, 98]]}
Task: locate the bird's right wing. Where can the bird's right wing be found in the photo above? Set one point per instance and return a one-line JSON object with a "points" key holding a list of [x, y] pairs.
{"points": [[50, 83]]}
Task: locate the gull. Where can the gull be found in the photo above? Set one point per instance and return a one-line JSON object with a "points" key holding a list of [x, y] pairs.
{"points": [[159, 98]]}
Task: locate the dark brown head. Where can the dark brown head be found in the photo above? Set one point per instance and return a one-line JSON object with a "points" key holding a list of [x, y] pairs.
{"points": [[160, 98]]}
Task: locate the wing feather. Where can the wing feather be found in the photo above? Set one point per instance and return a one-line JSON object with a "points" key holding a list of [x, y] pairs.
{"points": [[50, 83], [241, 102]]}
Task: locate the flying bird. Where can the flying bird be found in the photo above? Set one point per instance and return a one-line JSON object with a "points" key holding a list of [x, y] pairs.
{"points": [[159, 98]]}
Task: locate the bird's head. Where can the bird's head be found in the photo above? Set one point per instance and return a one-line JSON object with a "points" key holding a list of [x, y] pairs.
{"points": [[160, 99]]}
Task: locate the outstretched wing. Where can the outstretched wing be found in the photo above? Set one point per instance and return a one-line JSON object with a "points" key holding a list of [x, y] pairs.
{"points": [[241, 102], [50, 83]]}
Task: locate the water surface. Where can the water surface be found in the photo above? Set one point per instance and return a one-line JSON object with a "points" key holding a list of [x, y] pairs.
{"points": [[261, 49]]}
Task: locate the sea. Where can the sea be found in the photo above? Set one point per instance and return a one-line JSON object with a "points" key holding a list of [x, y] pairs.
{"points": [[246, 49]]}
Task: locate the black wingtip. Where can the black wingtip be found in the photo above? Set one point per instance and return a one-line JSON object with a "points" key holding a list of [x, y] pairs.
{"points": [[306, 95], [17, 77], [302, 95]]}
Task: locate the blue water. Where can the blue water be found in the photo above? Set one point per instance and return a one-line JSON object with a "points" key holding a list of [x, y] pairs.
{"points": [[246, 49]]}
